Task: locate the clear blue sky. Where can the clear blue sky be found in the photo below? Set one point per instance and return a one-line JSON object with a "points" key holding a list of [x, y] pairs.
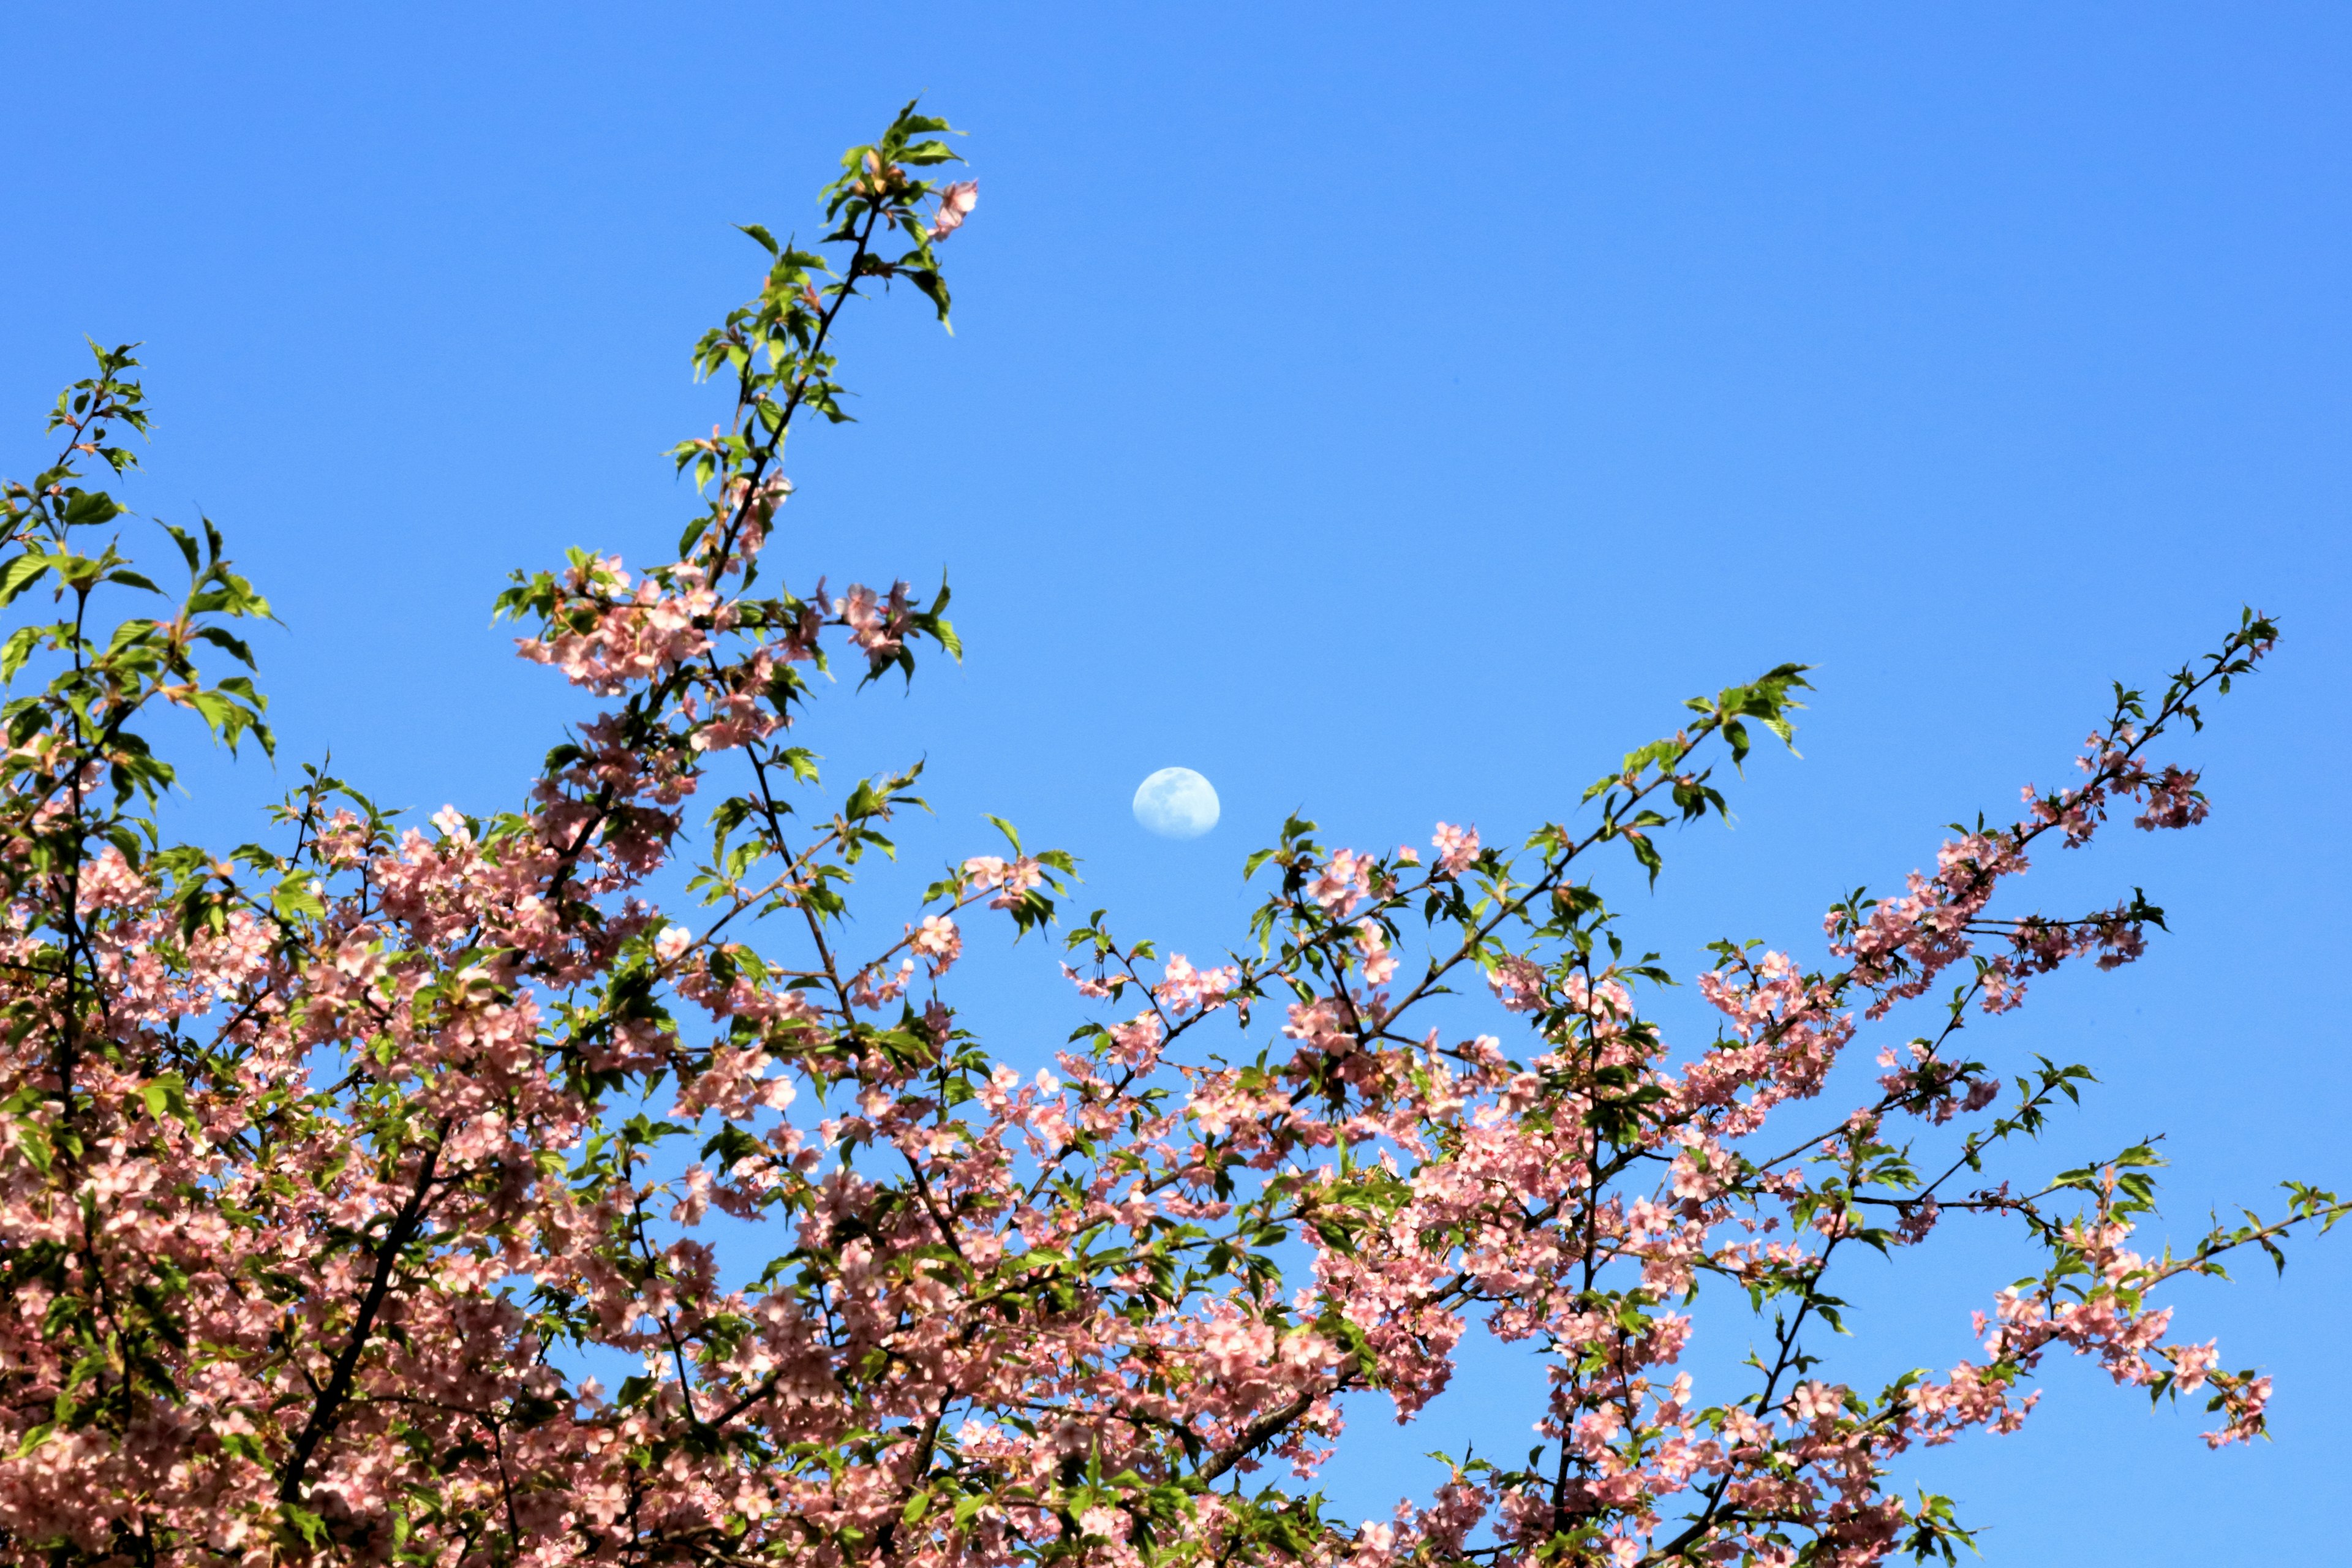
{"points": [[1390, 412]]}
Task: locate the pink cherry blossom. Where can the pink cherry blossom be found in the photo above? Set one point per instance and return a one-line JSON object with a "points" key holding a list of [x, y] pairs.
{"points": [[938, 942], [1456, 849], [956, 202]]}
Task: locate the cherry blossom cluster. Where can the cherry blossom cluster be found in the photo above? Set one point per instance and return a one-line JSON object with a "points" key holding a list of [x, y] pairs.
{"points": [[446, 1194]]}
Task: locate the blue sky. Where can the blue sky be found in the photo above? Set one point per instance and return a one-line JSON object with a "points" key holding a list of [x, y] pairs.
{"points": [[1389, 412]]}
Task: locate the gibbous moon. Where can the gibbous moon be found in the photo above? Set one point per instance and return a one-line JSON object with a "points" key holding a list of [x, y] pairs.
{"points": [[1176, 803]]}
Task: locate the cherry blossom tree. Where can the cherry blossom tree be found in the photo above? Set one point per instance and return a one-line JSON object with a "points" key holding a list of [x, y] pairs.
{"points": [[336, 1167]]}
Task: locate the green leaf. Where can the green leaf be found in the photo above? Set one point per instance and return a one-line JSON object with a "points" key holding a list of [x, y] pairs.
{"points": [[308, 1525], [89, 509], [235, 646], [22, 572]]}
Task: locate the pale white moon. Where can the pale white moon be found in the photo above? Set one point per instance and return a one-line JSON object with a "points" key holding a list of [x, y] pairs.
{"points": [[1176, 803]]}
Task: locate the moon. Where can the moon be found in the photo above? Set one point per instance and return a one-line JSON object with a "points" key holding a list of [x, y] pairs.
{"points": [[1176, 803]]}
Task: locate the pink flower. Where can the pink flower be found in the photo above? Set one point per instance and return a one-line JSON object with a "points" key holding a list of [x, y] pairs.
{"points": [[1011, 881], [875, 625], [2191, 1365], [956, 202], [1185, 988], [1816, 1402], [1456, 849], [2173, 801], [1345, 882], [1517, 983], [938, 942], [870, 990], [1095, 988]]}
